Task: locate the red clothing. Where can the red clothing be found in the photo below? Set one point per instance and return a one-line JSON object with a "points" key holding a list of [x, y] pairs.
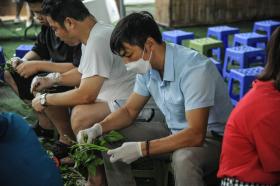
{"points": [[251, 144]]}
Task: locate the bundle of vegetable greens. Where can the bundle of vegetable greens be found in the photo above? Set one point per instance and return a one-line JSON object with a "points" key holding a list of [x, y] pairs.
{"points": [[7, 66], [89, 155], [71, 177]]}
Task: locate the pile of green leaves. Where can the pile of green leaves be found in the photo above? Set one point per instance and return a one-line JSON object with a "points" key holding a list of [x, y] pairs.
{"points": [[7, 67], [71, 177], [89, 155]]}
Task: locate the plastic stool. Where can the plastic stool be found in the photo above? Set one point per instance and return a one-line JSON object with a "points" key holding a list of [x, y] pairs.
{"points": [[221, 33], [22, 50], [245, 77], [205, 45], [2, 62], [244, 56], [151, 168], [250, 39], [217, 64], [177, 36], [267, 26]]}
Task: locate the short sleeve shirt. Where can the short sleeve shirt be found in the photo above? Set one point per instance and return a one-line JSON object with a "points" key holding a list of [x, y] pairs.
{"points": [[50, 47], [97, 59], [251, 144], [190, 81]]}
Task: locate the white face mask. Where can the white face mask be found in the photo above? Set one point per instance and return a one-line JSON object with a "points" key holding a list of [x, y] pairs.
{"points": [[140, 66]]}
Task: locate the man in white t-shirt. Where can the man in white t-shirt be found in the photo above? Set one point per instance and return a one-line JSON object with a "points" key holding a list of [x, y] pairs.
{"points": [[101, 76]]}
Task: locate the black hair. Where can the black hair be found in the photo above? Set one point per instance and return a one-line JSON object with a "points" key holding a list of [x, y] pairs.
{"points": [[272, 68], [59, 10], [134, 29], [34, 1]]}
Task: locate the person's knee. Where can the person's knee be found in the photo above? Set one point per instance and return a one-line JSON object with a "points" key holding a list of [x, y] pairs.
{"points": [[8, 77], [185, 162], [77, 119], [187, 170], [44, 121]]}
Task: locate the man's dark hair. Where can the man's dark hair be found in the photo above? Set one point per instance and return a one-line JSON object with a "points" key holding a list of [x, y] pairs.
{"points": [[134, 29], [272, 68], [34, 1], [58, 10]]}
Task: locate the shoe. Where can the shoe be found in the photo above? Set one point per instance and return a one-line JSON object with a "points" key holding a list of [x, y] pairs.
{"points": [[17, 20], [60, 150], [28, 23], [41, 132]]}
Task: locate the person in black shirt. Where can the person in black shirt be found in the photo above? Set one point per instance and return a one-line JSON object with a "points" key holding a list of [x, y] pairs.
{"points": [[48, 55]]}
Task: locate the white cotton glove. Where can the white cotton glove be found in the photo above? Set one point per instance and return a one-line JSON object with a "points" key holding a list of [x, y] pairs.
{"points": [[127, 153], [90, 133], [16, 61], [40, 83]]}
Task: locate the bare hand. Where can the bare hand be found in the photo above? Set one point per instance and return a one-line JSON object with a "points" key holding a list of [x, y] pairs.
{"points": [[16, 61], [27, 69]]}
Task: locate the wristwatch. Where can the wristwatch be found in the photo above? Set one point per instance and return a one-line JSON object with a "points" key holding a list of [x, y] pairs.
{"points": [[43, 99]]}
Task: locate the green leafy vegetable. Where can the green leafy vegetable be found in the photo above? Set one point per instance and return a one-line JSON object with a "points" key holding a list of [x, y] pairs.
{"points": [[71, 177], [7, 67], [89, 155]]}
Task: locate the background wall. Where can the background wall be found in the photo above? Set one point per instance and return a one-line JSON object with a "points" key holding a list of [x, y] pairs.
{"points": [[178, 13], [8, 7]]}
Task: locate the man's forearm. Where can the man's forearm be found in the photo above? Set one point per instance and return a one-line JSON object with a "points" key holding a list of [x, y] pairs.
{"points": [[192, 136], [68, 98], [70, 78], [117, 120], [185, 138], [47, 66], [31, 55]]}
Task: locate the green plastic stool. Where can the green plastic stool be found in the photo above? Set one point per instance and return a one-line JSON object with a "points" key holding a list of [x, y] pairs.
{"points": [[205, 46]]}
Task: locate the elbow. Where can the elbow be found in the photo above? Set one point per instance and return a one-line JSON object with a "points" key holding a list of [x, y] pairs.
{"points": [[83, 97], [87, 99], [198, 140]]}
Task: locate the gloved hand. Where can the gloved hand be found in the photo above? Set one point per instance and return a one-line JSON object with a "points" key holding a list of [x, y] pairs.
{"points": [[36, 103], [16, 61], [127, 153], [40, 83], [90, 133]]}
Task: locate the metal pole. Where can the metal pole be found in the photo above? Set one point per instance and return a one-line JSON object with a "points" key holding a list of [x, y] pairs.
{"points": [[122, 8]]}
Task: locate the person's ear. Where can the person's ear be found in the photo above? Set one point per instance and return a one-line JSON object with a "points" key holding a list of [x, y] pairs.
{"points": [[69, 23], [150, 43]]}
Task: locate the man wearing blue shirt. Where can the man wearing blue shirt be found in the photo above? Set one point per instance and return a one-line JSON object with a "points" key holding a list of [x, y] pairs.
{"points": [[189, 91]]}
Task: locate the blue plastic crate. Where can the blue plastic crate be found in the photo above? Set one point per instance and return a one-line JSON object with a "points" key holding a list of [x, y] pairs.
{"points": [[244, 56], [217, 64], [222, 33], [250, 39], [21, 50], [177, 36], [2, 62], [267, 26], [245, 77]]}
